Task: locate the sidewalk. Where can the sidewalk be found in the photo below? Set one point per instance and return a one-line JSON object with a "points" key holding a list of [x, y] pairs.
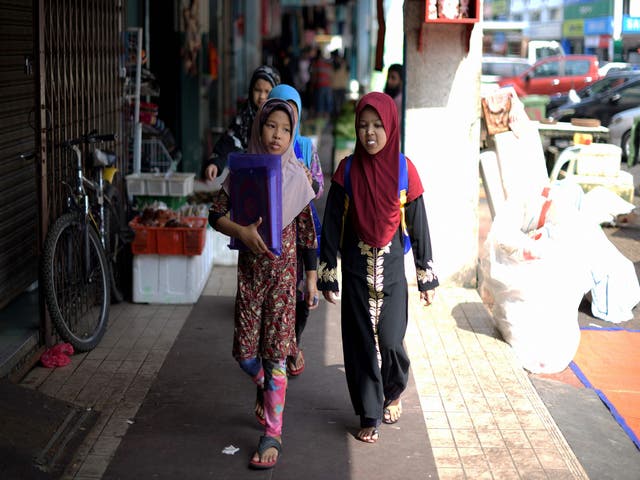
{"points": [[483, 417]]}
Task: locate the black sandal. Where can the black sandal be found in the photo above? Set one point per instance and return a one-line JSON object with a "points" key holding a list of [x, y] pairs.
{"points": [[265, 444]]}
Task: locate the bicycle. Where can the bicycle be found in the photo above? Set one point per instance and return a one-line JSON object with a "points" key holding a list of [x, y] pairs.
{"points": [[83, 248]]}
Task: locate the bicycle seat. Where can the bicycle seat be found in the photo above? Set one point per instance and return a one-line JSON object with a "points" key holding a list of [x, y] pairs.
{"points": [[103, 158]]}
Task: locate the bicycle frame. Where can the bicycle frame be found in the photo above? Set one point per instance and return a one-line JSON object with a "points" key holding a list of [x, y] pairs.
{"points": [[81, 196]]}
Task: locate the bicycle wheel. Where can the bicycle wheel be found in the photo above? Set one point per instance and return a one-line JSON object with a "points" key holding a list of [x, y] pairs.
{"points": [[76, 285], [119, 236]]}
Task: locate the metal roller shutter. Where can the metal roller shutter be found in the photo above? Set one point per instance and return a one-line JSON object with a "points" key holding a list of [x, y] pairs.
{"points": [[18, 188]]}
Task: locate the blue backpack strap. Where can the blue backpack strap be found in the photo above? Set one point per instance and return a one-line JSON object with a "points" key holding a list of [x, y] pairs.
{"points": [[347, 189], [297, 149], [403, 187]]}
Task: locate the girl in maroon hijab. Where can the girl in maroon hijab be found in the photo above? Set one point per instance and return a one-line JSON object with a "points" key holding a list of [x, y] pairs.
{"points": [[374, 212]]}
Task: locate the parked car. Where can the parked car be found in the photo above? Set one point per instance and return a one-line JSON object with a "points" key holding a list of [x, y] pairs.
{"points": [[603, 105], [554, 75], [613, 79], [495, 68], [620, 128], [611, 67]]}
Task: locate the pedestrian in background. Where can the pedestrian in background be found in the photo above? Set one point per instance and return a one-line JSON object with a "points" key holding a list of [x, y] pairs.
{"points": [[307, 154], [340, 82], [236, 138], [264, 319], [321, 80], [374, 213], [394, 84]]}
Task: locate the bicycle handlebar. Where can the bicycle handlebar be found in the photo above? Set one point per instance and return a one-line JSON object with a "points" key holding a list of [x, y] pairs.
{"points": [[91, 137]]}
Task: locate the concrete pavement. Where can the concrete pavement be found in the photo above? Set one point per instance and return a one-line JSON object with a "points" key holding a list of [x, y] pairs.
{"points": [[483, 417]]}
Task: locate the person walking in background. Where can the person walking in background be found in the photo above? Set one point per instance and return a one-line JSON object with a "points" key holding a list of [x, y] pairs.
{"points": [[340, 82], [307, 154], [321, 80], [264, 319], [374, 213], [236, 138]]}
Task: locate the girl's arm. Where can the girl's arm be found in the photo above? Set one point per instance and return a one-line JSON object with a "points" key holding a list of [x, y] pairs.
{"points": [[316, 174], [331, 231], [306, 242], [418, 228]]}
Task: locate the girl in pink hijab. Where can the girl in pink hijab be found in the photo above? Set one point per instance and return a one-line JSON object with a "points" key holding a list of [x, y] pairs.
{"points": [[264, 324]]}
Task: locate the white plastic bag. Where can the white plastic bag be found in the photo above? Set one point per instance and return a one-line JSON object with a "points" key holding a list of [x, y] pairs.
{"points": [[536, 278]]}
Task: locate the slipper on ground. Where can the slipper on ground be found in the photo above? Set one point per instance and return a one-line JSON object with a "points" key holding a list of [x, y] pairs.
{"points": [[291, 366]]}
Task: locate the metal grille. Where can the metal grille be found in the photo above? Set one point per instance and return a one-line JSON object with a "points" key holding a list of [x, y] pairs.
{"points": [[81, 88], [18, 192]]}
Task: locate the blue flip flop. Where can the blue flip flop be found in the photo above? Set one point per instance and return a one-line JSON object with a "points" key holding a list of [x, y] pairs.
{"points": [[266, 443]]}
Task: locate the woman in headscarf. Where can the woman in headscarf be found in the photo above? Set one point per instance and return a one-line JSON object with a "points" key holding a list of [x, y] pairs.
{"points": [[307, 154], [374, 212], [236, 138], [264, 320]]}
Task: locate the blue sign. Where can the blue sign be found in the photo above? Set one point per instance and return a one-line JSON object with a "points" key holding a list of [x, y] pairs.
{"points": [[630, 24], [598, 26]]}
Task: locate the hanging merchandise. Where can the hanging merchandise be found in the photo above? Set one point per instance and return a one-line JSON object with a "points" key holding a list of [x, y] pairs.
{"points": [[213, 61], [192, 43]]}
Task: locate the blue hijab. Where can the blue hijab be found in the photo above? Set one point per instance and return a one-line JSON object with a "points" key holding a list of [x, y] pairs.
{"points": [[302, 145]]}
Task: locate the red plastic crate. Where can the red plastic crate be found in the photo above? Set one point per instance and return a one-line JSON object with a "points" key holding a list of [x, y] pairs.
{"points": [[169, 240]]}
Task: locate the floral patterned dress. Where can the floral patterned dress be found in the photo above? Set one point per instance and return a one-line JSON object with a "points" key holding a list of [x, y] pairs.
{"points": [[374, 301], [264, 320]]}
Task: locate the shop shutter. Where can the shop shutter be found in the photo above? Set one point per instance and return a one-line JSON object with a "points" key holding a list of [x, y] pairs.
{"points": [[18, 188]]}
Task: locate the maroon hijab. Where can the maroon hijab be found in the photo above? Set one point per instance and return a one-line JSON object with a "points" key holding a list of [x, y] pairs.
{"points": [[374, 178]]}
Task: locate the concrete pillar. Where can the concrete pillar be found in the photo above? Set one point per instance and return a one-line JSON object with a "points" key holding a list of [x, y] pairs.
{"points": [[442, 135]]}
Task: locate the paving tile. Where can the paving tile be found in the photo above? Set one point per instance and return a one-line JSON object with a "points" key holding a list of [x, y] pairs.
{"points": [[441, 437], [473, 459], [93, 466], [446, 457], [466, 438], [446, 473], [105, 446], [491, 439]]}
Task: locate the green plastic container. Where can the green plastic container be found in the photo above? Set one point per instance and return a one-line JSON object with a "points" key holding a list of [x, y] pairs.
{"points": [[536, 106]]}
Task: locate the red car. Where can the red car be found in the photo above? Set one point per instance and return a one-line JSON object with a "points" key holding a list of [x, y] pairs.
{"points": [[555, 75]]}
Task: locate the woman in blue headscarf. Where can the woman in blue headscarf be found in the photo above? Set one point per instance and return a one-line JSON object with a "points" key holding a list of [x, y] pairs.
{"points": [[307, 154]]}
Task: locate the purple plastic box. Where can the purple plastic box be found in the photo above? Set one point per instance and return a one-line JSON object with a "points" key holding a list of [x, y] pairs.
{"points": [[256, 191]]}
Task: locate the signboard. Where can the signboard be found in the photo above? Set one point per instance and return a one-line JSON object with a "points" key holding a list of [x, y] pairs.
{"points": [[600, 8], [630, 24], [598, 26], [573, 28]]}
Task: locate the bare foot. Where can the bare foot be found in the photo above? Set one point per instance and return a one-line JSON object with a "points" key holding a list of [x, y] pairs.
{"points": [[393, 411], [368, 435]]}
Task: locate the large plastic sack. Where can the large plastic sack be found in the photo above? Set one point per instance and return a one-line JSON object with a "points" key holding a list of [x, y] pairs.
{"points": [[615, 290], [535, 277]]}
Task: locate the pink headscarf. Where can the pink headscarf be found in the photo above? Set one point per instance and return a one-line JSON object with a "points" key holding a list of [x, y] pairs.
{"points": [[296, 189]]}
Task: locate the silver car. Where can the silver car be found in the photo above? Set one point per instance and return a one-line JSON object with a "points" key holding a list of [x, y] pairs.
{"points": [[620, 128]]}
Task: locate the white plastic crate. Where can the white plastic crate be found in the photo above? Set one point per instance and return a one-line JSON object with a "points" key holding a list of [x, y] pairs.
{"points": [[180, 184], [136, 184], [156, 184], [161, 184], [172, 279], [602, 159]]}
